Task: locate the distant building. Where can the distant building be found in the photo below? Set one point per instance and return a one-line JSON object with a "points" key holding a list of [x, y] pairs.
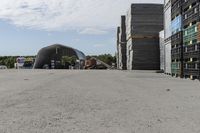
{"points": [[121, 45], [51, 57], [24, 62], [143, 24], [20, 62]]}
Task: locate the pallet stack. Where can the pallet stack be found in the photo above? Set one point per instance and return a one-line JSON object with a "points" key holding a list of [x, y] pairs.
{"points": [[117, 54], [121, 45], [176, 38], [162, 50], [167, 37], [123, 64], [191, 39], [143, 23]]}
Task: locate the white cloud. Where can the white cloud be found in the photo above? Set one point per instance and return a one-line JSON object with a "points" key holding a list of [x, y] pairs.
{"points": [[55, 15], [92, 31]]}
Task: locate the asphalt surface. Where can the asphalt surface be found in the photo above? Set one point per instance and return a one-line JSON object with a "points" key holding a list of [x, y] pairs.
{"points": [[45, 101]]}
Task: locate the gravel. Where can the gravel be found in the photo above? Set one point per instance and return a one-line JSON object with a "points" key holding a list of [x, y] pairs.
{"points": [[62, 101]]}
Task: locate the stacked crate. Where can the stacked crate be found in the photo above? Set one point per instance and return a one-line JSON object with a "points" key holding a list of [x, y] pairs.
{"points": [[162, 50], [176, 39], [191, 39], [121, 45], [117, 54], [144, 22], [167, 37]]}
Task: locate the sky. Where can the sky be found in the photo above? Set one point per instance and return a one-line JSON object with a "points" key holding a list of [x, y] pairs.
{"points": [[87, 25]]}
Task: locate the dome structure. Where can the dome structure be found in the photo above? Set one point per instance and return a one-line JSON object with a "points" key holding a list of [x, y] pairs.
{"points": [[51, 56]]}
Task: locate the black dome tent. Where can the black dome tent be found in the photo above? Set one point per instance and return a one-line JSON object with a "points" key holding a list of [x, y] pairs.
{"points": [[51, 56]]}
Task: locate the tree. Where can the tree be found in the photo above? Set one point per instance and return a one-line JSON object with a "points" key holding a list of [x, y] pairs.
{"points": [[71, 60], [107, 58], [9, 61]]}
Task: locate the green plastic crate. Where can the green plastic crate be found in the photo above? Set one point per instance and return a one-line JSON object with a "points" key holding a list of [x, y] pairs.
{"points": [[190, 34], [175, 66]]}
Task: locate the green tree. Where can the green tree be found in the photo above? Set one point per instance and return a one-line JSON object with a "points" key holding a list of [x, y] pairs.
{"points": [[107, 58], [69, 59], [9, 61]]}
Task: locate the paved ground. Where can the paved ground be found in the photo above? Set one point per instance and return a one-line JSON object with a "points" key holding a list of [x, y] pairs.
{"points": [[97, 102]]}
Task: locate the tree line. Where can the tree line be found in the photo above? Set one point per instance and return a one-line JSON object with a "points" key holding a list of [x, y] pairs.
{"points": [[10, 61], [107, 58]]}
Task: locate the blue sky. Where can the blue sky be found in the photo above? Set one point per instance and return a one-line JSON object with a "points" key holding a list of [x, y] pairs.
{"points": [[87, 25], [22, 41]]}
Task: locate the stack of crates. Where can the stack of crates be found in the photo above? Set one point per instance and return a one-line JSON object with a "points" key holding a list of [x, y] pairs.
{"points": [[143, 23], [177, 38], [191, 39], [167, 37]]}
